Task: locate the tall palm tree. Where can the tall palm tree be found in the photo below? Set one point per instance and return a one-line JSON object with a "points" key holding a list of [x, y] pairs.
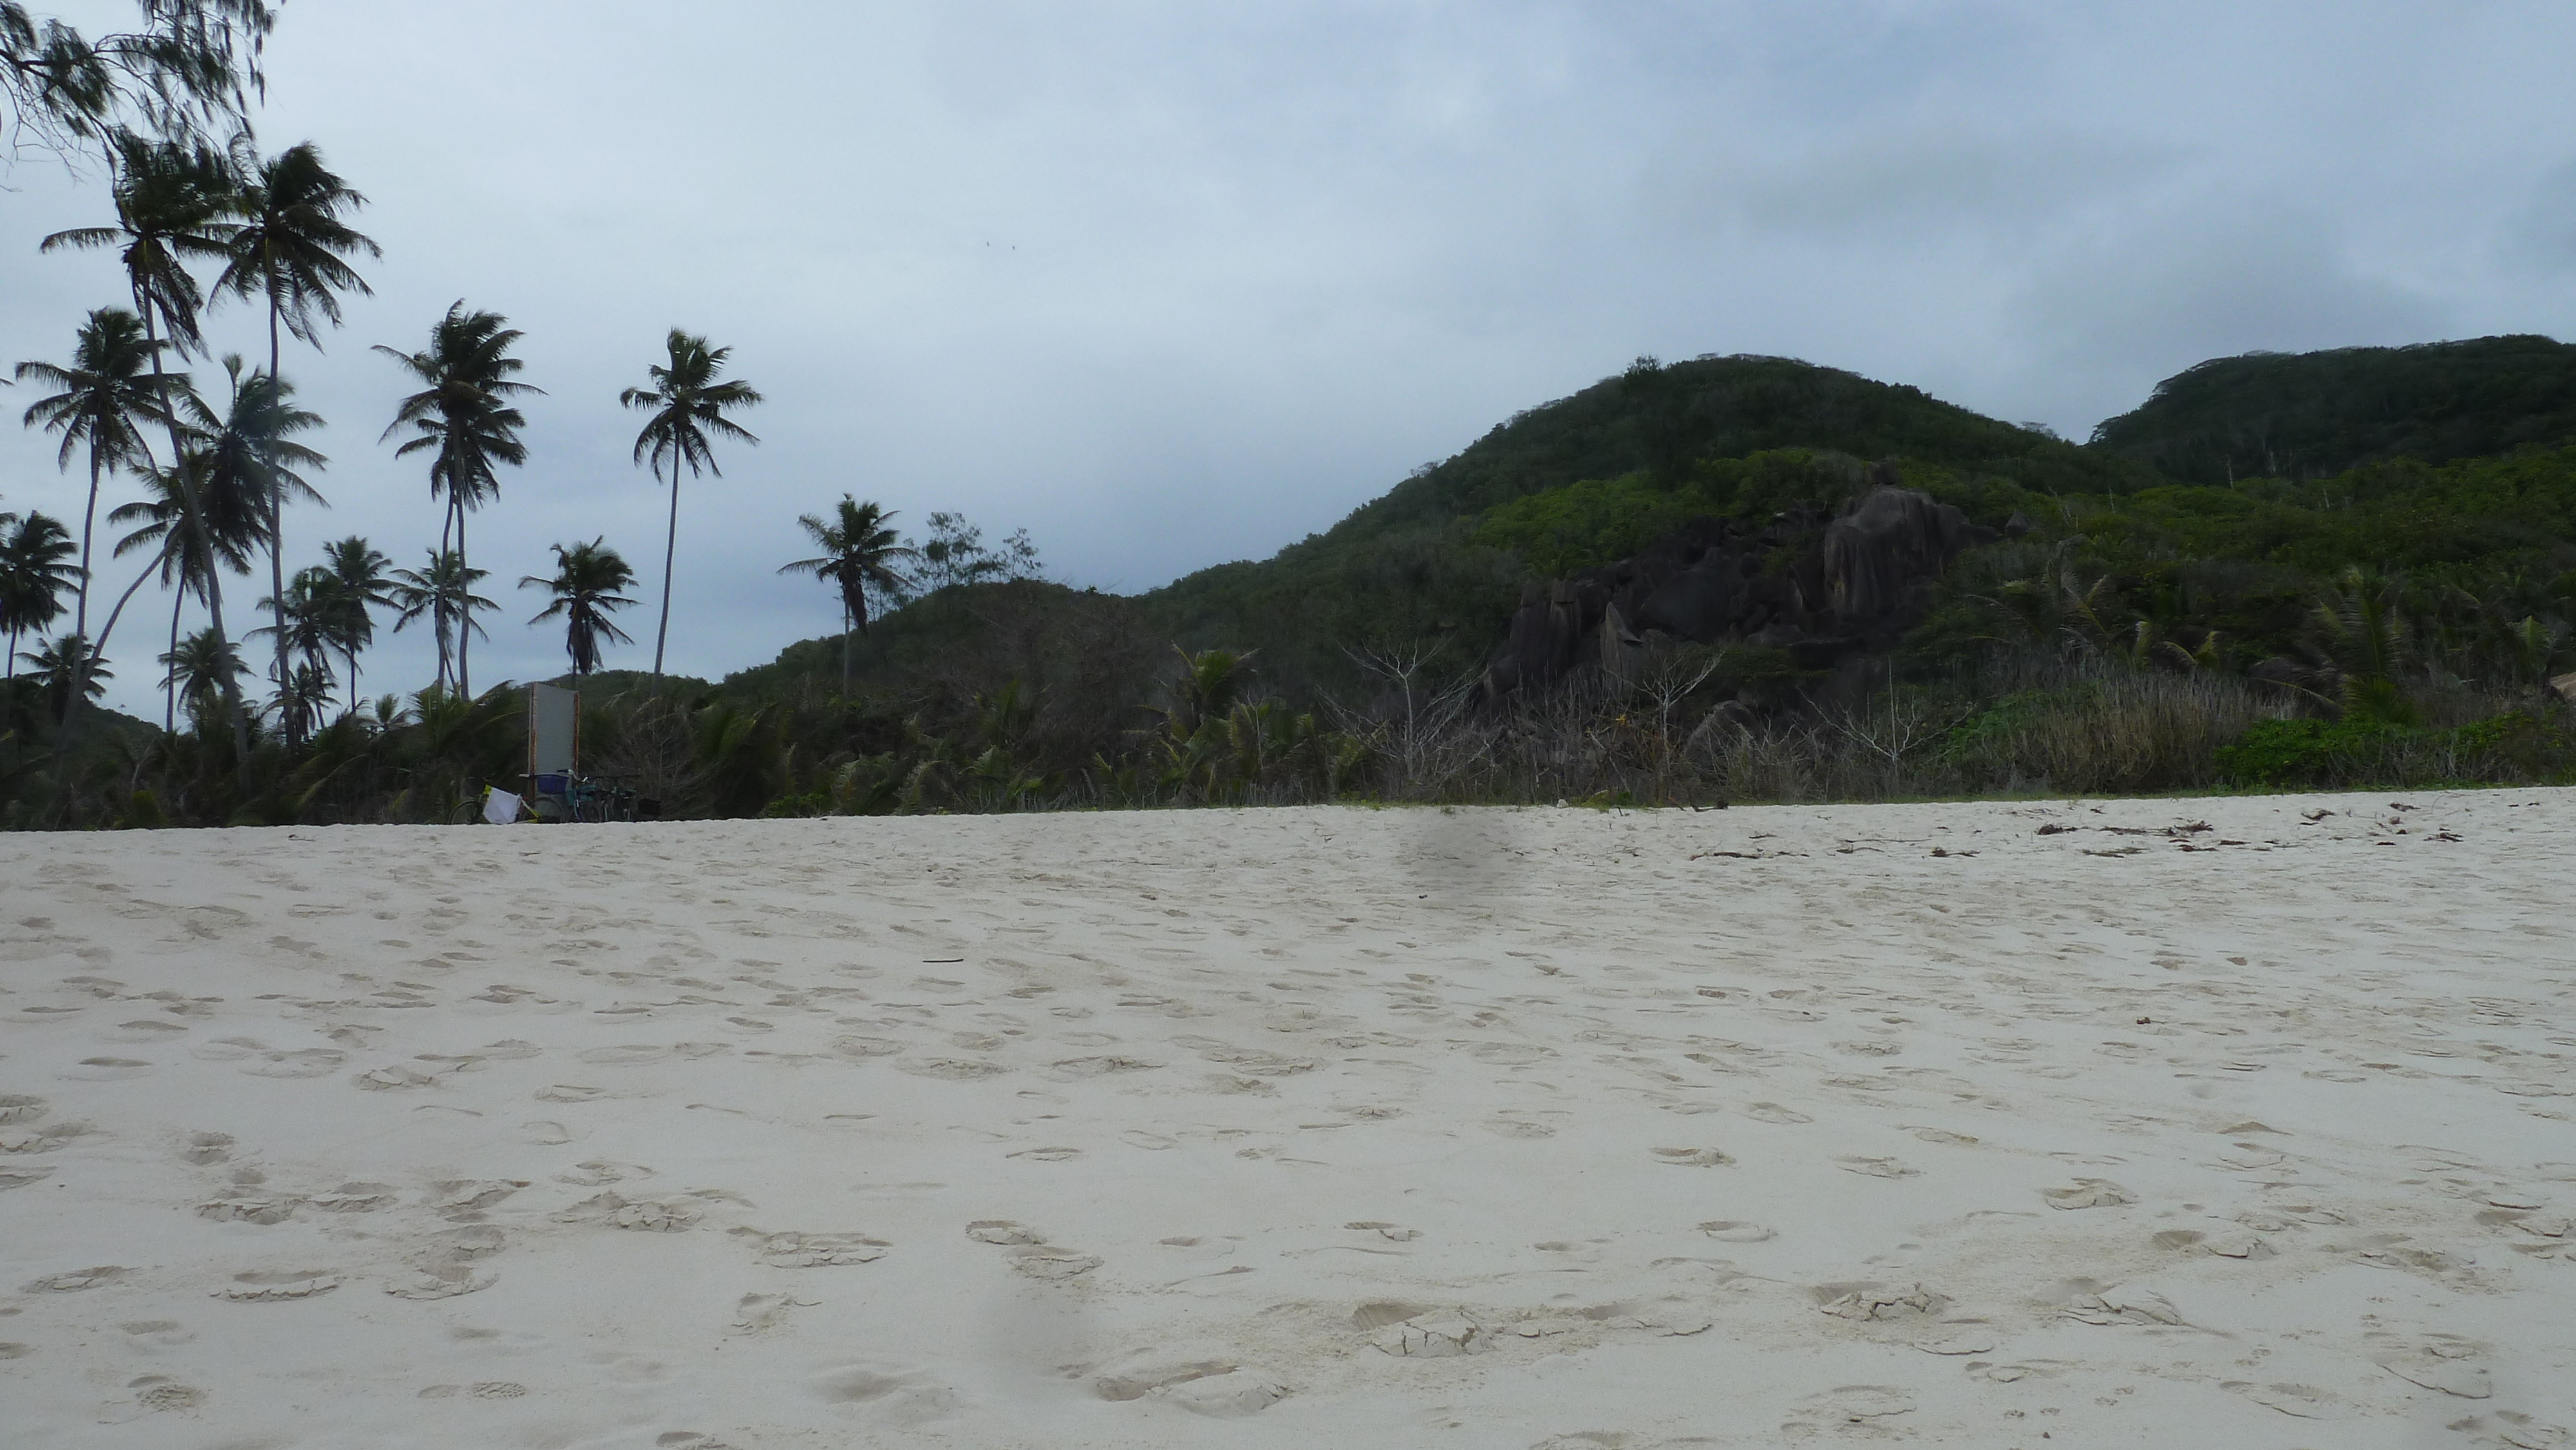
{"points": [[252, 458], [860, 554], [186, 557], [686, 403], [291, 250], [171, 201], [35, 569], [587, 578], [106, 395], [362, 586], [464, 421], [441, 592]]}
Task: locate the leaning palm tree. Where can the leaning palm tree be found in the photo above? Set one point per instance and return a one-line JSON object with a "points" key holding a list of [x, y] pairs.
{"points": [[587, 578], [35, 569], [463, 420], [441, 592], [171, 202], [106, 396], [686, 403], [860, 554], [291, 251], [362, 586]]}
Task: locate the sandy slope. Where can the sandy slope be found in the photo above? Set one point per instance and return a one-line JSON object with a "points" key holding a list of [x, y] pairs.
{"points": [[1298, 1128]]}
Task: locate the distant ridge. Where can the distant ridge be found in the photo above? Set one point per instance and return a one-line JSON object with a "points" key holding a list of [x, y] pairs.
{"points": [[2311, 415]]}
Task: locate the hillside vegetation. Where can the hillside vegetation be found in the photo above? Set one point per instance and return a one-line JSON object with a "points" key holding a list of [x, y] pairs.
{"points": [[2132, 624]]}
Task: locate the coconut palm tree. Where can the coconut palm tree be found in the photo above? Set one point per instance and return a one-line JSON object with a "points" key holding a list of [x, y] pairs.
{"points": [[587, 578], [35, 569], [441, 592], [307, 616], [171, 202], [291, 251], [358, 572], [203, 669], [463, 419], [186, 556], [106, 395], [861, 555], [66, 668], [686, 404], [251, 456]]}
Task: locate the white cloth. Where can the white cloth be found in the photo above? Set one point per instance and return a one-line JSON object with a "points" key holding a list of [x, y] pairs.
{"points": [[500, 807]]}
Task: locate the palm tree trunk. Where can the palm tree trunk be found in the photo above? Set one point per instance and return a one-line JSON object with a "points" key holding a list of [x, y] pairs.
{"points": [[276, 525], [170, 706], [845, 651], [670, 546], [89, 524], [438, 601], [464, 605], [196, 518]]}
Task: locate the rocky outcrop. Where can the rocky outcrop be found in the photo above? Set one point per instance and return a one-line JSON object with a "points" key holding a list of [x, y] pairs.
{"points": [[1819, 588]]}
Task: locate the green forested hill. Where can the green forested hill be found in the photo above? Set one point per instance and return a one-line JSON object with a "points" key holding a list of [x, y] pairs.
{"points": [[2311, 415], [1409, 570]]}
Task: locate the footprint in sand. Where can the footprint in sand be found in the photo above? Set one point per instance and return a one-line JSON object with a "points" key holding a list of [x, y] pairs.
{"points": [[1879, 1302], [1048, 1155], [1002, 1231], [1875, 1167], [1735, 1231], [953, 1069], [899, 1393], [260, 1060], [248, 1209], [1774, 1113], [105, 1069], [647, 1216], [152, 1334], [455, 1197], [487, 1390], [2124, 1306], [20, 1108], [2088, 1193], [21, 1176], [567, 1093], [278, 1285], [143, 1029], [441, 1278], [760, 1313], [2305, 1402], [395, 1078], [40, 1140], [599, 1172], [355, 1198], [1848, 1410], [160, 1392], [1694, 1158], [78, 1279], [816, 1251], [1515, 1128], [1393, 1233]]}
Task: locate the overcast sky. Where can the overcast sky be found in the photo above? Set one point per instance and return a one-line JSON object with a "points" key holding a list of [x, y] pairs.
{"points": [[1173, 283]]}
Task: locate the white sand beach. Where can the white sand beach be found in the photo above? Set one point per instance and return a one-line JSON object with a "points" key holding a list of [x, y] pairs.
{"points": [[2152, 1123]]}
